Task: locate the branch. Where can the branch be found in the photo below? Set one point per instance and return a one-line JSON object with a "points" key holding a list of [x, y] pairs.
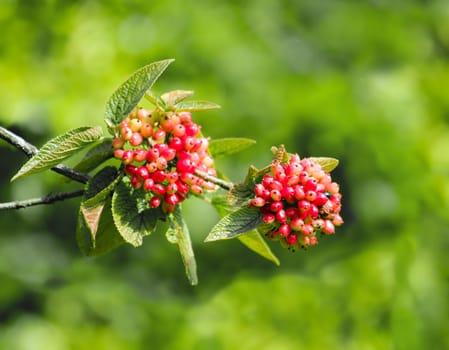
{"points": [[30, 150], [222, 183], [48, 199]]}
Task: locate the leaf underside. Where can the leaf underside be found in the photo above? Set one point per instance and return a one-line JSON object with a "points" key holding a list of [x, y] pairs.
{"points": [[327, 164], [178, 233], [254, 241]]}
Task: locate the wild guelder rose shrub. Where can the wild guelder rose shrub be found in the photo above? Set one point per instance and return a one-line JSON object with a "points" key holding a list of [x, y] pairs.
{"points": [[161, 152], [157, 158], [297, 200]]}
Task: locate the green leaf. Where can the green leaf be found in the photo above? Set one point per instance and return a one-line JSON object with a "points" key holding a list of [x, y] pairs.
{"points": [[254, 241], [234, 224], [178, 233], [132, 219], [227, 146], [155, 99], [96, 156], [106, 238], [328, 164], [128, 95], [97, 192], [58, 149], [195, 106], [171, 98]]}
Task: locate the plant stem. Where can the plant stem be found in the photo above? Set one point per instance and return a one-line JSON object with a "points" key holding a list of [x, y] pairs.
{"points": [[48, 199], [219, 182], [30, 150]]}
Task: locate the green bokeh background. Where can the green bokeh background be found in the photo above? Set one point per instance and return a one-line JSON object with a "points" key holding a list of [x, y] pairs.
{"points": [[366, 82]]}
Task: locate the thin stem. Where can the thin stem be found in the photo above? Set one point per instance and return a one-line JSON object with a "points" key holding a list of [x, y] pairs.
{"points": [[48, 199], [30, 150], [219, 182]]}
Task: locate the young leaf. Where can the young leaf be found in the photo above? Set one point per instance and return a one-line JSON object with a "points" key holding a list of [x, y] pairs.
{"points": [[171, 98], [328, 164], [96, 156], [132, 221], [58, 149], [195, 106], [106, 237], [228, 146], [254, 241], [128, 95], [240, 221], [178, 233]]}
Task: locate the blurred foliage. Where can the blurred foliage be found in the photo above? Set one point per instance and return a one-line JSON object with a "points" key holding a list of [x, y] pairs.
{"points": [[362, 81]]}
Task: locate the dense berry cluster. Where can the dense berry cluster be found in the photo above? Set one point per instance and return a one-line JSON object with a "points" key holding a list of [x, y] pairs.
{"points": [[298, 199], [161, 152]]}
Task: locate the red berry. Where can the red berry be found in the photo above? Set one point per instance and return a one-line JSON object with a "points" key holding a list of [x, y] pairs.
{"points": [[284, 230], [276, 206], [158, 135], [118, 153], [310, 185], [136, 139], [291, 239], [303, 206], [269, 218], [130, 169], [136, 182], [128, 157], [142, 172], [159, 189], [148, 184], [320, 199], [153, 154], [179, 130], [118, 143], [281, 217], [299, 192], [140, 155], [291, 212], [307, 229], [310, 196], [155, 202], [191, 129], [257, 202], [172, 199], [296, 224], [158, 176]]}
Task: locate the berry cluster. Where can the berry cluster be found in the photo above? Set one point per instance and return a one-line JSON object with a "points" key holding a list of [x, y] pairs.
{"points": [[298, 199], [161, 152]]}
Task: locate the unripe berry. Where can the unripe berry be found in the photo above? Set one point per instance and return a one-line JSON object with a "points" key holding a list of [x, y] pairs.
{"points": [[152, 167], [276, 195], [161, 163], [257, 202], [185, 117], [328, 227], [146, 130], [310, 196], [126, 133], [118, 153], [143, 114], [307, 229], [171, 188], [167, 124], [135, 125], [118, 143], [296, 224], [179, 130], [196, 189], [337, 220]]}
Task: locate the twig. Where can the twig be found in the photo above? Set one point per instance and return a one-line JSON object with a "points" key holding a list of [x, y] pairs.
{"points": [[222, 183], [30, 150], [48, 199]]}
